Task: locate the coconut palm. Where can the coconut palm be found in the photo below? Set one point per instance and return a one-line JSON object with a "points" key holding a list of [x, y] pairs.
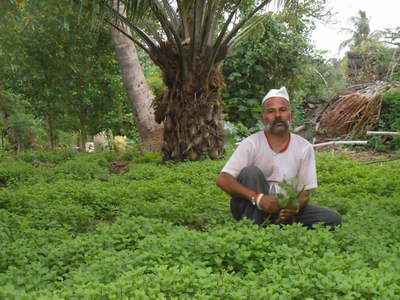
{"points": [[360, 31], [188, 40]]}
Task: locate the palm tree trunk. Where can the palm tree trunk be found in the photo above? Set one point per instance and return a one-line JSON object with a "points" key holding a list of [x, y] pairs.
{"points": [[139, 94], [191, 118]]}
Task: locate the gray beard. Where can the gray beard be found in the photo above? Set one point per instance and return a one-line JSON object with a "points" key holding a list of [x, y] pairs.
{"points": [[270, 126]]}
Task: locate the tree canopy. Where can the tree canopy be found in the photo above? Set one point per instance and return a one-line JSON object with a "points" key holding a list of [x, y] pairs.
{"points": [[360, 31], [189, 40], [64, 69]]}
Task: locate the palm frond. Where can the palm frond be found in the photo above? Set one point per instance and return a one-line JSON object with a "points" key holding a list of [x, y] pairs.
{"points": [[360, 31], [167, 26], [347, 31], [207, 23], [376, 35], [159, 55], [153, 31], [183, 18], [217, 43], [171, 13], [193, 39], [163, 20], [219, 11], [293, 10], [346, 43], [134, 9], [239, 25], [185, 6], [248, 29], [129, 36]]}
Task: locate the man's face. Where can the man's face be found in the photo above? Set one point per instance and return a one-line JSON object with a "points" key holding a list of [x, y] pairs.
{"points": [[277, 115]]}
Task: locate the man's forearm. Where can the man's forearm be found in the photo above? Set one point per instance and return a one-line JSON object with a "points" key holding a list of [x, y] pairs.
{"points": [[303, 199], [230, 185]]}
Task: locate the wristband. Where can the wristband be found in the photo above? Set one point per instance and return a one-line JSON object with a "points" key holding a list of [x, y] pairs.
{"points": [[254, 198], [258, 201], [298, 208]]}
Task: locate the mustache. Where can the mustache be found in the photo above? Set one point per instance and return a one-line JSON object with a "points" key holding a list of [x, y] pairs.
{"points": [[279, 120], [276, 121], [270, 127]]}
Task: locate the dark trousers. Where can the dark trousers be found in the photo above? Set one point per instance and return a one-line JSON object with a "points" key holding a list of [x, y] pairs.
{"points": [[252, 178]]}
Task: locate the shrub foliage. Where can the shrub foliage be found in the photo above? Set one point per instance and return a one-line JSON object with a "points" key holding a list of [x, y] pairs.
{"points": [[165, 232]]}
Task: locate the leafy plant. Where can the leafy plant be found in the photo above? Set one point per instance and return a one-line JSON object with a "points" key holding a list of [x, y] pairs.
{"points": [[288, 195], [389, 119], [236, 132], [165, 231]]}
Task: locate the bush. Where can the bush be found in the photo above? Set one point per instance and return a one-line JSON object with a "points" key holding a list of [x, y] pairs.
{"points": [[130, 153], [54, 157], [148, 157], [390, 115], [82, 169], [13, 172], [130, 237]]}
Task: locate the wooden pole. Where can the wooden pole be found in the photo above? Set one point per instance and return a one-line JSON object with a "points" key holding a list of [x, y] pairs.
{"points": [[382, 133], [341, 142]]}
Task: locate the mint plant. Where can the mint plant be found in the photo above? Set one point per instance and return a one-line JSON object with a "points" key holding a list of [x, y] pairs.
{"points": [[164, 231], [288, 195]]}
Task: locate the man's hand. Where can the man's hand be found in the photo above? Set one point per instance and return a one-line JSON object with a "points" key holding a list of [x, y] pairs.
{"points": [[289, 211], [269, 204]]}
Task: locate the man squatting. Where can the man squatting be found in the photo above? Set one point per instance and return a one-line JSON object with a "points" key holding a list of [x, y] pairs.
{"points": [[263, 160]]}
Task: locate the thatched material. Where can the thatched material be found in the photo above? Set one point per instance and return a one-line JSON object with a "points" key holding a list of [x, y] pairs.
{"points": [[352, 113]]}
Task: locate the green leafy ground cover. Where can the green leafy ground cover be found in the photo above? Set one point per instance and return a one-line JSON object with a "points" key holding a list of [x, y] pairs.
{"points": [[74, 232]]}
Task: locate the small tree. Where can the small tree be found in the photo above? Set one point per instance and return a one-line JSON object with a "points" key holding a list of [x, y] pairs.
{"points": [[188, 40], [65, 70], [19, 122]]}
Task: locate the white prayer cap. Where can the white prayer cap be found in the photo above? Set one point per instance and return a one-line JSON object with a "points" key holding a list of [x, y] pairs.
{"points": [[277, 93]]}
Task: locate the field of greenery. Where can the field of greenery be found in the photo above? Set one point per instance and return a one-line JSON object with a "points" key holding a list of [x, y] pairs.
{"points": [[71, 230]]}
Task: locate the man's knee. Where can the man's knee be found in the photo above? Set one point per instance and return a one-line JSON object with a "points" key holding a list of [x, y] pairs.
{"points": [[336, 218], [313, 214], [333, 219], [250, 172], [253, 178]]}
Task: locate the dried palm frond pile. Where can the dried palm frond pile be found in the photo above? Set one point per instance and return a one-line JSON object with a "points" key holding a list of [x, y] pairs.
{"points": [[351, 113]]}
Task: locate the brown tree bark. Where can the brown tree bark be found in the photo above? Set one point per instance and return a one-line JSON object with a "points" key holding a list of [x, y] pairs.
{"points": [[12, 139], [138, 91], [50, 137], [191, 119], [83, 132]]}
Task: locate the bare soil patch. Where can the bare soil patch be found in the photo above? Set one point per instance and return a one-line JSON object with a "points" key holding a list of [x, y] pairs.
{"points": [[2, 185], [360, 156], [366, 156], [118, 166]]}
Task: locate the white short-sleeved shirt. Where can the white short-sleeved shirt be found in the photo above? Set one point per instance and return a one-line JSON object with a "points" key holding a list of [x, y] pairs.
{"points": [[297, 160]]}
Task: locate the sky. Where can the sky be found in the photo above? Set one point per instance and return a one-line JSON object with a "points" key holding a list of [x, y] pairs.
{"points": [[383, 14]]}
